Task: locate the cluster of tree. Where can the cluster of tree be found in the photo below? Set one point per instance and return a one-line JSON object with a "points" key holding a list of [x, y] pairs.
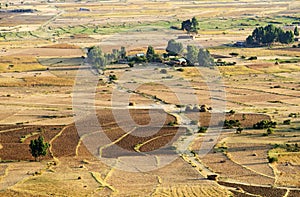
{"points": [[99, 59], [152, 56], [229, 124], [190, 25], [201, 56], [270, 34], [194, 55], [264, 124]]}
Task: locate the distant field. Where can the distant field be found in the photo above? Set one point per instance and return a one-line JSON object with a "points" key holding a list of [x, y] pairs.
{"points": [[20, 64], [43, 69]]}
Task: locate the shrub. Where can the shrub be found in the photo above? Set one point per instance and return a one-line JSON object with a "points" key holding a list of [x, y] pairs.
{"points": [[112, 77], [287, 122], [264, 124], [293, 115], [231, 112], [233, 54], [270, 131], [202, 129], [131, 64], [229, 124], [163, 71], [172, 123], [239, 130], [252, 58], [194, 122], [272, 159]]}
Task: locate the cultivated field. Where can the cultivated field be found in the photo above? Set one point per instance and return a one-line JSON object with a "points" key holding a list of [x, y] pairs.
{"points": [[142, 134]]}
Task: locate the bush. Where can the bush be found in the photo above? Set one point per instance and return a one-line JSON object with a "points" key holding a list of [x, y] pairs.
{"points": [[252, 58], [131, 64], [112, 77], [202, 129], [239, 130], [229, 124], [163, 71], [264, 124], [194, 122], [293, 115], [270, 131], [231, 112], [272, 159], [287, 122], [233, 54], [172, 123]]}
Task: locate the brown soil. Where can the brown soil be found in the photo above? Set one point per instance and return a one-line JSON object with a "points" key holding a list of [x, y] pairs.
{"points": [[263, 191]]}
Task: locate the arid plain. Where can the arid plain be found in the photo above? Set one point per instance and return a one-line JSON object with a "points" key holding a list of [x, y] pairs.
{"points": [[42, 66]]}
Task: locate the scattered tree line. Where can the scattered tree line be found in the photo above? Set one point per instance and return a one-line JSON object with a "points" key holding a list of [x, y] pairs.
{"points": [[194, 55], [264, 124], [175, 51], [99, 59], [270, 34]]}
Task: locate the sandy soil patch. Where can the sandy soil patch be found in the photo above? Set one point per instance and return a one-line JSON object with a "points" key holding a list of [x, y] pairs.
{"points": [[228, 169], [253, 156], [46, 52]]}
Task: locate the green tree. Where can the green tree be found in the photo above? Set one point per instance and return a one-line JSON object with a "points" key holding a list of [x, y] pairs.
{"points": [[239, 130], [204, 58], [250, 40], [174, 48], [286, 37], [269, 34], [38, 147], [186, 25], [150, 55], [123, 52], [96, 57], [195, 24], [190, 25], [296, 31], [192, 54]]}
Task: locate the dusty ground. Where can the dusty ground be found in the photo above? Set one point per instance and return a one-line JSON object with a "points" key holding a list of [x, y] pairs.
{"points": [[38, 70]]}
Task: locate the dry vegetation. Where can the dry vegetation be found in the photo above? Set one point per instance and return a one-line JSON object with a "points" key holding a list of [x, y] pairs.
{"points": [[41, 52]]}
